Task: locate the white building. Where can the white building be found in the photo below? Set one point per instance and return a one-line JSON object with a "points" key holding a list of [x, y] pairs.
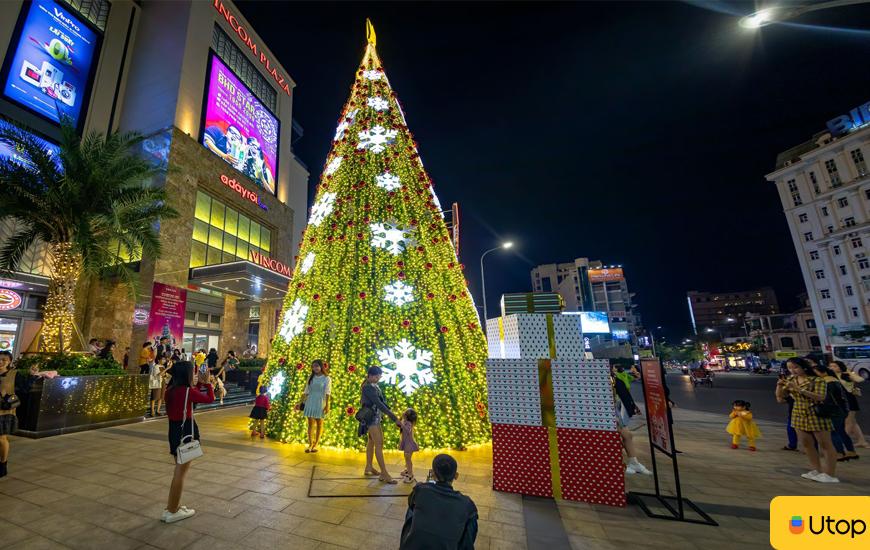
{"points": [[589, 285], [825, 192]]}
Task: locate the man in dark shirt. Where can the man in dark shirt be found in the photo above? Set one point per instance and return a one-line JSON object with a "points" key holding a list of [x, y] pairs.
{"points": [[438, 517]]}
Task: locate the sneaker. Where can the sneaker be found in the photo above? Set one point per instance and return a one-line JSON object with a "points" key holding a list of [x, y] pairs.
{"points": [[825, 478], [408, 479], [630, 469], [640, 469], [182, 513], [733, 445], [810, 475]]}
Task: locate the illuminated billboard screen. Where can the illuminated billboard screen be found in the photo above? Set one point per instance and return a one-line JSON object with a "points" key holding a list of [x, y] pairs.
{"points": [[8, 151], [50, 62], [238, 128], [609, 274], [594, 322], [620, 334]]}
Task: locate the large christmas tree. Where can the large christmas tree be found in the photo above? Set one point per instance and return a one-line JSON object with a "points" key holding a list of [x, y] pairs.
{"points": [[377, 283]]}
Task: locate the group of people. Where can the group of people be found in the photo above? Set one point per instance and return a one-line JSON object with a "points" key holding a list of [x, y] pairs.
{"points": [[438, 516], [158, 360], [822, 403]]}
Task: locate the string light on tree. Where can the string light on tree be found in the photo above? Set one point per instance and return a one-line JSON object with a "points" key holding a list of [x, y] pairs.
{"points": [[386, 290]]}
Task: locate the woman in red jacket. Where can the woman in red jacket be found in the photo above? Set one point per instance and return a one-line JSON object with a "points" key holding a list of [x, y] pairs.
{"points": [[180, 389]]}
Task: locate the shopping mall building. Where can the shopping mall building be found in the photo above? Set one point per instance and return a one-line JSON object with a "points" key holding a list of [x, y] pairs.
{"points": [[217, 108]]}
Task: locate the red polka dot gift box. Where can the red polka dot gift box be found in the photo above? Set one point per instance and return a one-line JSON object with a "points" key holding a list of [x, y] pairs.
{"points": [[521, 460]]}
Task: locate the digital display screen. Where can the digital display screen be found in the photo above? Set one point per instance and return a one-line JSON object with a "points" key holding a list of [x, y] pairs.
{"points": [[594, 322], [620, 334], [51, 62], [8, 151], [238, 128]]}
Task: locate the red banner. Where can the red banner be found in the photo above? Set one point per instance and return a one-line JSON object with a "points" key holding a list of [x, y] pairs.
{"points": [[167, 314], [656, 405]]}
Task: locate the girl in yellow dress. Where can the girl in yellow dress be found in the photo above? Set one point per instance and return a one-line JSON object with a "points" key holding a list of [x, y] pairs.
{"points": [[742, 425]]}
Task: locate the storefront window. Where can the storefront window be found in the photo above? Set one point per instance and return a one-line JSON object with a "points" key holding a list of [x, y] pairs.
{"points": [[223, 235]]}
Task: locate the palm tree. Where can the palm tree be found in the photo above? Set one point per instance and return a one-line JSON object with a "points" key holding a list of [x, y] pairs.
{"points": [[92, 205]]}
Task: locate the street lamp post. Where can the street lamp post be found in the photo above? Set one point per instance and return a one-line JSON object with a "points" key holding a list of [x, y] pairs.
{"points": [[503, 246]]}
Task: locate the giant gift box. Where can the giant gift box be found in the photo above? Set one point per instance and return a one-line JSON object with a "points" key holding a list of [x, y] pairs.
{"points": [[553, 421]]}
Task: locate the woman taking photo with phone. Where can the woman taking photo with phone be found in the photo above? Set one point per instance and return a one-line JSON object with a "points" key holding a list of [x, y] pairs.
{"points": [[180, 397]]}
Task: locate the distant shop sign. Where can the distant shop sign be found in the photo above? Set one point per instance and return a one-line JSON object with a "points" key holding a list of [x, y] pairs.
{"points": [[609, 274], [856, 118], [782, 355], [244, 192], [9, 299], [270, 263]]}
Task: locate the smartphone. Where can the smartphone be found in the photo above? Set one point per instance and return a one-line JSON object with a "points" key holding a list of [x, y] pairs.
{"points": [[430, 477]]}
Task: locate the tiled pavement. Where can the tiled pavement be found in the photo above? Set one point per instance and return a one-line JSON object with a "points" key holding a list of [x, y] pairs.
{"points": [[106, 489]]}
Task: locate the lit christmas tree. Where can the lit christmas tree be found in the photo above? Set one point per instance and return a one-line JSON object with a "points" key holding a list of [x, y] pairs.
{"points": [[377, 283]]}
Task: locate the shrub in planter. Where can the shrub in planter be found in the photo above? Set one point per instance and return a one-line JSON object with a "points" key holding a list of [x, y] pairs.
{"points": [[255, 363], [70, 364]]}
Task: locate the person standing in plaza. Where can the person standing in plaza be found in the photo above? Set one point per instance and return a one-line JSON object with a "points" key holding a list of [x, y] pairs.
{"points": [[230, 362], [10, 384], [183, 391], [146, 358], [163, 347], [372, 409], [316, 398], [850, 381], [108, 351], [807, 389], [155, 384], [835, 399]]}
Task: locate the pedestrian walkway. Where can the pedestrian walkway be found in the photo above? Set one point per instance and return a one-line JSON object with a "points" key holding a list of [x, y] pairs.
{"points": [[107, 488]]}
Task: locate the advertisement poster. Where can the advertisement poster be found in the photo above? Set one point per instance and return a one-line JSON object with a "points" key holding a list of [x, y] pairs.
{"points": [[238, 128], [167, 314], [656, 405], [11, 153], [608, 274], [50, 69]]}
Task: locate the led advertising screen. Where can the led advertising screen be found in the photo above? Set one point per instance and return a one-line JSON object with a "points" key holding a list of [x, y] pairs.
{"points": [[9, 152], [608, 274], [594, 322], [51, 62], [238, 128], [620, 334]]}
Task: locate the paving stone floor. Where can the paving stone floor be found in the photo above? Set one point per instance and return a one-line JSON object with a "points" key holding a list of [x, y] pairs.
{"points": [[105, 489]]}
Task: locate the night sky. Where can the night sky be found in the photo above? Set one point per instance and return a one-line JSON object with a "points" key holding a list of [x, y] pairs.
{"points": [[634, 133]]}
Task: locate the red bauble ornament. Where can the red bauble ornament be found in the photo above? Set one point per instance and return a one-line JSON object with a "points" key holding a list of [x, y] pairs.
{"points": [[351, 368], [350, 411], [309, 330], [362, 295], [300, 285], [300, 366], [316, 296], [444, 330], [312, 240], [414, 224], [420, 249], [434, 240], [471, 366], [282, 361], [359, 236], [365, 259], [406, 323], [356, 330], [401, 275], [428, 265], [339, 297], [350, 223], [367, 219], [389, 207], [330, 239], [463, 294], [429, 295], [452, 297], [392, 193], [462, 267], [472, 326], [367, 207], [450, 265], [333, 225], [400, 263]]}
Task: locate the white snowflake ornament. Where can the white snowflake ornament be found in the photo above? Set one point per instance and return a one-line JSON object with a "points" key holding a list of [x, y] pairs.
{"points": [[345, 123], [376, 139], [322, 208], [307, 263], [378, 103], [390, 237], [373, 74], [333, 166], [407, 367], [388, 181], [294, 320], [399, 293], [276, 384]]}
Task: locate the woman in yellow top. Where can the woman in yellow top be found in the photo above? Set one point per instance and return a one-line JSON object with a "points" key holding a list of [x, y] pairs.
{"points": [[742, 425], [807, 389]]}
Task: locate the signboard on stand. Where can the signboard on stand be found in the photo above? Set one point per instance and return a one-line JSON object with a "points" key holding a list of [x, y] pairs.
{"points": [[167, 313], [656, 406]]}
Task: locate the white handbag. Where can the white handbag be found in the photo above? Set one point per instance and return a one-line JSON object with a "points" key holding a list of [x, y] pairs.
{"points": [[192, 449]]}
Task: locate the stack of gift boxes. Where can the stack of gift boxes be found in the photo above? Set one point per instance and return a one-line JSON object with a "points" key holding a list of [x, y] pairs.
{"points": [[553, 421]]}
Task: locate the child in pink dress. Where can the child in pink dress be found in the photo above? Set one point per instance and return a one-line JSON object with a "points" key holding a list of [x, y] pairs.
{"points": [[407, 444]]}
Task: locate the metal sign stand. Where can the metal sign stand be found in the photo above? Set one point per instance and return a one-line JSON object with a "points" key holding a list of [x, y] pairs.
{"points": [[675, 505]]}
